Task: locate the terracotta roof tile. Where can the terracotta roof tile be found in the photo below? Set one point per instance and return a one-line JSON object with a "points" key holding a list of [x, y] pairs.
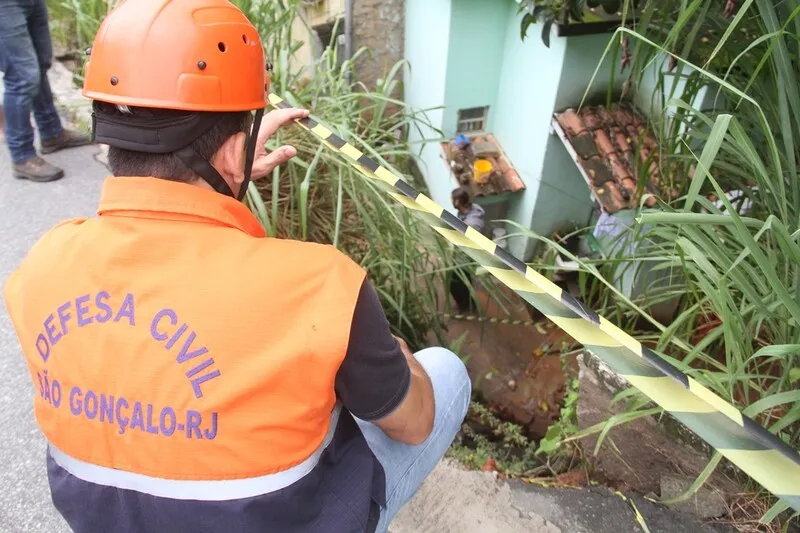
{"points": [[572, 123], [598, 171], [620, 171], [608, 142], [621, 140], [604, 143], [504, 178]]}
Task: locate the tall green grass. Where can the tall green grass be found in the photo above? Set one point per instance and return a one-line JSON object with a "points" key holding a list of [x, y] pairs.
{"points": [[75, 22], [319, 197], [737, 329]]}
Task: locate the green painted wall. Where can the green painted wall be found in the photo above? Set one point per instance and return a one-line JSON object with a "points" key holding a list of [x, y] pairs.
{"points": [[565, 199], [653, 97], [650, 98], [427, 42], [527, 91], [583, 55], [477, 39], [468, 53]]}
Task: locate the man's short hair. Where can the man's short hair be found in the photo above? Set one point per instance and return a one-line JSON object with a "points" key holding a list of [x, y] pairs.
{"points": [[461, 195], [123, 162]]}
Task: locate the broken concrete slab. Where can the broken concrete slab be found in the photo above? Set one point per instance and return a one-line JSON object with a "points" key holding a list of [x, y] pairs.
{"points": [[454, 500], [645, 452], [102, 155], [600, 510], [460, 501], [706, 503]]}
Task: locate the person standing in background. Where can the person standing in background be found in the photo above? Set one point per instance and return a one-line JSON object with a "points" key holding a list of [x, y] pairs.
{"points": [[472, 215], [25, 57]]}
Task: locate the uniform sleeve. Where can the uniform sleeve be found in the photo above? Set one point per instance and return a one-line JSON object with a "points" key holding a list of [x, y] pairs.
{"points": [[374, 377], [476, 219]]}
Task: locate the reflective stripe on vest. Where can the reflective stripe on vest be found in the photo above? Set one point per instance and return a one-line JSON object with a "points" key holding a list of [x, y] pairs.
{"points": [[218, 490]]}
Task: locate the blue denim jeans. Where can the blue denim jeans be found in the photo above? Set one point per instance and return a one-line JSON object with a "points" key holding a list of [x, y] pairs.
{"points": [[406, 467], [25, 56]]}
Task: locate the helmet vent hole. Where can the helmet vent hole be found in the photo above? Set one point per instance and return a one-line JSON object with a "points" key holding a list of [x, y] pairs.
{"points": [[221, 46], [244, 38]]}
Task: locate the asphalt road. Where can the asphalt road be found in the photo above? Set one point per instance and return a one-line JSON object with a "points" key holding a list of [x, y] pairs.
{"points": [[28, 210]]}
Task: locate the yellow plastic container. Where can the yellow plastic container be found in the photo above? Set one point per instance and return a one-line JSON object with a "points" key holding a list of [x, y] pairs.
{"points": [[482, 169]]}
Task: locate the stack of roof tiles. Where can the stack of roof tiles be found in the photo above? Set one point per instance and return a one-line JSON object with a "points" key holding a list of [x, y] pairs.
{"points": [[505, 178], [614, 146]]}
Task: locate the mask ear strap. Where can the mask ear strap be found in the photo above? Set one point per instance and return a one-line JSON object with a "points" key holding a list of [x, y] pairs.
{"points": [[251, 152]]}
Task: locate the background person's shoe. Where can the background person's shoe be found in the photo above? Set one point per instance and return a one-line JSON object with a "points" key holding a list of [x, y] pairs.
{"points": [[37, 169], [66, 139]]}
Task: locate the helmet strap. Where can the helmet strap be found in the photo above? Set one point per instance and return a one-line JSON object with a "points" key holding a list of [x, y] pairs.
{"points": [[250, 154], [203, 168], [139, 131]]}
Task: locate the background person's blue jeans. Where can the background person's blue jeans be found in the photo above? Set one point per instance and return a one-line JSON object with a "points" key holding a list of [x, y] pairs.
{"points": [[406, 467], [25, 56]]}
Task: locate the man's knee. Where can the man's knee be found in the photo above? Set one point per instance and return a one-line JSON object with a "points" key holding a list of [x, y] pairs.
{"points": [[451, 384], [24, 79]]}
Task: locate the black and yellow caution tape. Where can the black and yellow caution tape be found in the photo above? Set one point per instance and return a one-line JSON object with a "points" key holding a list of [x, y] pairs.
{"points": [[763, 456], [489, 320]]}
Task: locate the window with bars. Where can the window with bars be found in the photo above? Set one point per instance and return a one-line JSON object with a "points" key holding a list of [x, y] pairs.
{"points": [[473, 119]]}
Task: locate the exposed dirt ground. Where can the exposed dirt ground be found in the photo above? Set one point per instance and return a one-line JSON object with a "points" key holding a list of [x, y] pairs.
{"points": [[516, 369]]}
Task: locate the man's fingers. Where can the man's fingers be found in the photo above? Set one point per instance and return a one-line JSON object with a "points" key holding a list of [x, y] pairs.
{"points": [[263, 166], [274, 120]]}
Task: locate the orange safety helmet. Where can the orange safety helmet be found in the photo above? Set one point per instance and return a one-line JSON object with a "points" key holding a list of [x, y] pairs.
{"points": [[201, 57]]}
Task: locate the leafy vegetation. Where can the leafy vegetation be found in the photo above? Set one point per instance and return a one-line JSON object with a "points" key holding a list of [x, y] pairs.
{"points": [[550, 12], [727, 115], [73, 23], [490, 443], [566, 426], [319, 197]]}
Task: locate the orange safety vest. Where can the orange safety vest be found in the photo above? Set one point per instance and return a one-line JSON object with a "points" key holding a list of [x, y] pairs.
{"points": [[170, 342]]}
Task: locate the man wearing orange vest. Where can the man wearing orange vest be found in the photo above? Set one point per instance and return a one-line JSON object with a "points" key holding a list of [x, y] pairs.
{"points": [[192, 375]]}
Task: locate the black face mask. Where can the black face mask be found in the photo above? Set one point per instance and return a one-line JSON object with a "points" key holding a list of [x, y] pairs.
{"points": [[141, 131]]}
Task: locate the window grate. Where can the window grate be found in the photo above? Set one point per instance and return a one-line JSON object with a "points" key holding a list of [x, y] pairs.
{"points": [[473, 119]]}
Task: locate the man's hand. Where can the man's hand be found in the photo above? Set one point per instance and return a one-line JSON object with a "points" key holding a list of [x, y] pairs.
{"points": [[264, 163]]}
